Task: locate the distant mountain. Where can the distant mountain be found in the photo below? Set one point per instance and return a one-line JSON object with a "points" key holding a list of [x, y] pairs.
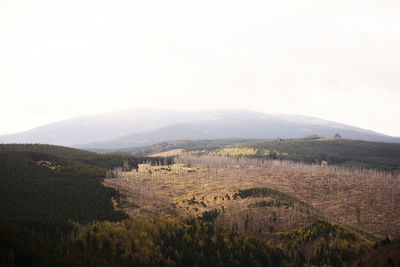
{"points": [[139, 127], [99, 128]]}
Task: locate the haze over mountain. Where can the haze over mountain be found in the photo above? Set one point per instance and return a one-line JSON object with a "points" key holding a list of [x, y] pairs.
{"points": [[137, 127]]}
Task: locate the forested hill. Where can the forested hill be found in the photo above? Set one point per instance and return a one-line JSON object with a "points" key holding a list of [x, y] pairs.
{"points": [[350, 153], [343, 152], [55, 184], [187, 145]]}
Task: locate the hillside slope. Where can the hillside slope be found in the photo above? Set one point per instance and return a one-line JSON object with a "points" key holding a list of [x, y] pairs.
{"points": [[56, 184], [350, 153]]}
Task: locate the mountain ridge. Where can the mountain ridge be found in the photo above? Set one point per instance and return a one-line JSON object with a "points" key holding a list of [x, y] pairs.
{"points": [[138, 127]]}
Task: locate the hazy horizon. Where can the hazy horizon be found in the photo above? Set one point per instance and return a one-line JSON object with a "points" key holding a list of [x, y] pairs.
{"points": [[177, 113], [336, 61]]}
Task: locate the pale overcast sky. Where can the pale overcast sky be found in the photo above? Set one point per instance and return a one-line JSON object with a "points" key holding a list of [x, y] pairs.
{"points": [[337, 60]]}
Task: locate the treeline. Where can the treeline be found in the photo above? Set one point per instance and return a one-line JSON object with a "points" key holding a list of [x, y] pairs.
{"points": [[349, 153], [66, 155], [189, 145]]}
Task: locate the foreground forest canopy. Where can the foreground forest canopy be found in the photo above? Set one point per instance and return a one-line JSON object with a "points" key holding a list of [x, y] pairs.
{"points": [[58, 208]]}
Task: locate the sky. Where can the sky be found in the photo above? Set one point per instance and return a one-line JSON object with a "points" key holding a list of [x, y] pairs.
{"points": [[336, 60]]}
